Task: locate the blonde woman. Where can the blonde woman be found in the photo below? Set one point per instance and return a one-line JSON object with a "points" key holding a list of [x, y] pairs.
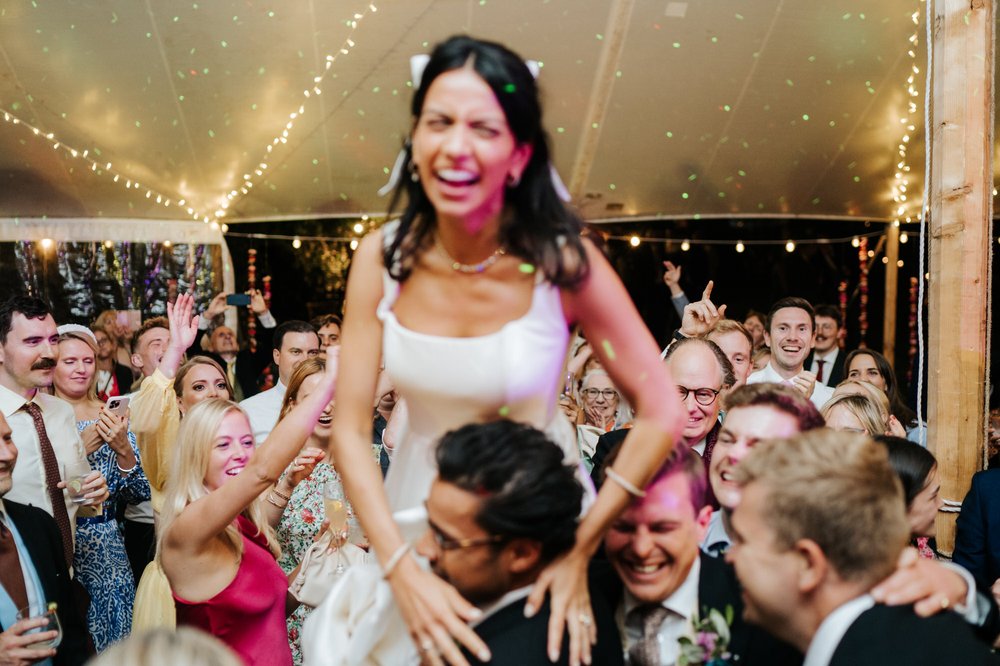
{"points": [[99, 558], [216, 546], [878, 397], [854, 413]]}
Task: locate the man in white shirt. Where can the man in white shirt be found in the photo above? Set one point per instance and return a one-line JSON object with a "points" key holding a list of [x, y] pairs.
{"points": [[653, 548], [294, 342], [791, 333], [44, 427], [826, 361], [820, 522]]}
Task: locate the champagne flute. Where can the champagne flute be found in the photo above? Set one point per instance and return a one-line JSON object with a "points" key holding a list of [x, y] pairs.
{"points": [[335, 504]]}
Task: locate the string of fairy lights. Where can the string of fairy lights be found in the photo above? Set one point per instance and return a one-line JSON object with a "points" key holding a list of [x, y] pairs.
{"points": [[901, 181], [314, 90], [92, 156]]}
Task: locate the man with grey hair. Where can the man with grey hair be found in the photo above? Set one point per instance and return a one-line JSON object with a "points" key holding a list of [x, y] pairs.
{"points": [[821, 521]]}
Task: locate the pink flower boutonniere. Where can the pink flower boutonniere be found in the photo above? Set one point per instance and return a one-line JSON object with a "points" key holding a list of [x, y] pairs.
{"points": [[710, 644]]}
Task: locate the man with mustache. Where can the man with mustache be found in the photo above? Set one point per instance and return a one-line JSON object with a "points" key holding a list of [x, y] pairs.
{"points": [[791, 334], [44, 427], [826, 361]]}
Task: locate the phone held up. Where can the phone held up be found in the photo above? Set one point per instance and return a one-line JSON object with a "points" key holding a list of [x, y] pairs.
{"points": [[238, 299]]}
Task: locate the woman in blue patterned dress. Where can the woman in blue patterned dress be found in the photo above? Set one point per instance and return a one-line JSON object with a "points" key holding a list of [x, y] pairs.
{"points": [[99, 560]]}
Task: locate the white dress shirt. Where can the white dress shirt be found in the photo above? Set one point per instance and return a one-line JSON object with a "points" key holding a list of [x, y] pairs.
{"points": [[683, 606], [831, 631], [29, 472], [821, 392], [716, 535], [829, 360], [263, 410]]}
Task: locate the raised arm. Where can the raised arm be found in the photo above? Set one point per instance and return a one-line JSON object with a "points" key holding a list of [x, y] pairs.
{"points": [[433, 610], [629, 353], [196, 528]]}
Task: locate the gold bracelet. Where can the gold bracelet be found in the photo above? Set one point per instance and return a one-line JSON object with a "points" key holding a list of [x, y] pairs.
{"points": [[627, 485], [281, 494], [270, 500]]}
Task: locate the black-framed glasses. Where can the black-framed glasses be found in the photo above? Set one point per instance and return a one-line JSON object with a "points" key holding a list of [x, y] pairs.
{"points": [[703, 396], [592, 393], [444, 543]]}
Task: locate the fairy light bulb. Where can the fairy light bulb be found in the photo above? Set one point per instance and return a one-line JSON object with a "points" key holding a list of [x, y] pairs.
{"points": [[354, 244], [685, 246], [740, 247], [296, 243], [634, 241], [46, 243], [855, 242], [358, 227], [903, 237], [790, 246]]}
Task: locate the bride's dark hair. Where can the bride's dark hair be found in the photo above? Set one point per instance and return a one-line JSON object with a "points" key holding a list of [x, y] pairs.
{"points": [[540, 228]]}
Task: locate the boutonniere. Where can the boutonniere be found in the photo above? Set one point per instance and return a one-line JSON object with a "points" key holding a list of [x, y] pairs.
{"points": [[709, 645]]}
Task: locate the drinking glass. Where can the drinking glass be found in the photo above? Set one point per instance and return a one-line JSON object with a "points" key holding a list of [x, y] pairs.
{"points": [[335, 504], [48, 611], [75, 475]]}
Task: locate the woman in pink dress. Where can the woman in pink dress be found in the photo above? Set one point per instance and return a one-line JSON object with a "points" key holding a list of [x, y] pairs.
{"points": [[216, 547]]}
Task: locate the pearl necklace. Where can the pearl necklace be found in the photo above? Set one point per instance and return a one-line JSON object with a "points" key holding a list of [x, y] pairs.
{"points": [[471, 268]]}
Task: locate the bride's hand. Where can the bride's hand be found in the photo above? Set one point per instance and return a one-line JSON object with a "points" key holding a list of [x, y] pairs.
{"points": [[566, 582], [436, 614]]}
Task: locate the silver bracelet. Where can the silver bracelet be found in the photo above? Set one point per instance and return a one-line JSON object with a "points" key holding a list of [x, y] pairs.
{"points": [[627, 485], [395, 559], [124, 471]]}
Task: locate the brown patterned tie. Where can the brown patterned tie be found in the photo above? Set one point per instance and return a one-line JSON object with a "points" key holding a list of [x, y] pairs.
{"points": [[648, 617], [51, 466], [819, 369], [11, 576]]}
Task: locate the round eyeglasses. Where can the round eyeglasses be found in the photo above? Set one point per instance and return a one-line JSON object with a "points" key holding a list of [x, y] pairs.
{"points": [[703, 396], [592, 393]]}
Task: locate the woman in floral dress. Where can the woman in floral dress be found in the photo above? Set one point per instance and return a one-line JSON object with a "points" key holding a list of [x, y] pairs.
{"points": [[99, 560]]}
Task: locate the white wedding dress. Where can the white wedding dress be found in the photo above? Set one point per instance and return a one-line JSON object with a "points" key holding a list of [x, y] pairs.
{"points": [[513, 373]]}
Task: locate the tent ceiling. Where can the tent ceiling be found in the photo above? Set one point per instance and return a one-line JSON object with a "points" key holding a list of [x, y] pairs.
{"points": [[729, 108]]}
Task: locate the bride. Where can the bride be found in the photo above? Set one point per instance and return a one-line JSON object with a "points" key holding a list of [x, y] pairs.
{"points": [[469, 297]]}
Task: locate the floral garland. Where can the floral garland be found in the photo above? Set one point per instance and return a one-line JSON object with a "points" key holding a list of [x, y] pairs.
{"points": [[863, 291], [912, 352], [251, 284]]}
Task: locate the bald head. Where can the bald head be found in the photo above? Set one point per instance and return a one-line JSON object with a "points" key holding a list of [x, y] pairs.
{"points": [[700, 370]]}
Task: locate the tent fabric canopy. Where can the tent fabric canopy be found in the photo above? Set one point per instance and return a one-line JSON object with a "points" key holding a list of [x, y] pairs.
{"points": [[717, 109]]}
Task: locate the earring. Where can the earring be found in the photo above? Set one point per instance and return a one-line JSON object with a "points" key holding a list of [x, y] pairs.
{"points": [[513, 181], [414, 174]]}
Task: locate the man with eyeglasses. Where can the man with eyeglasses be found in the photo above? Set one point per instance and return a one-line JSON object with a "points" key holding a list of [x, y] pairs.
{"points": [[504, 505]]}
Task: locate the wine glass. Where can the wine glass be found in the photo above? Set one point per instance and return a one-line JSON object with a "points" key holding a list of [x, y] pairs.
{"points": [[335, 504], [48, 611]]}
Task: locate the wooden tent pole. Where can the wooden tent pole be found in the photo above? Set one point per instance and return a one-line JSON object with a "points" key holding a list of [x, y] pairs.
{"points": [[960, 189], [891, 288]]}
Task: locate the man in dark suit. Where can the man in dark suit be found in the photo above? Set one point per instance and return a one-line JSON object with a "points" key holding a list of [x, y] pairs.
{"points": [[504, 506], [243, 366], [33, 573], [977, 536], [668, 582], [821, 521], [826, 360]]}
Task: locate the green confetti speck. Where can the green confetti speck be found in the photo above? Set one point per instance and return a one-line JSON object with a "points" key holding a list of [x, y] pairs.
{"points": [[261, 71], [612, 186], [385, 170], [676, 45], [815, 201], [727, 108], [375, 89], [684, 195], [670, 135], [253, 107], [715, 40], [270, 15], [609, 351], [149, 35], [526, 268], [742, 172], [211, 134], [595, 125], [224, 43], [805, 116], [138, 124], [857, 179], [505, 410], [693, 177], [315, 161], [739, 17], [205, 71], [599, 36], [510, 88], [180, 98], [789, 83], [846, 16], [560, 130]]}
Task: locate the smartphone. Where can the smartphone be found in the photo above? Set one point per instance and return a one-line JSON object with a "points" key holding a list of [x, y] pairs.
{"points": [[117, 405], [238, 299]]}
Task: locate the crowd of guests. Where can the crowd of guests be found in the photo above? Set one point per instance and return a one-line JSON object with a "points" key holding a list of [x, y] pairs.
{"points": [[523, 494]]}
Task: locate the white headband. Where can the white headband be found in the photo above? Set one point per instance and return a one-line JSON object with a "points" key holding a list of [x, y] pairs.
{"points": [[76, 328]]}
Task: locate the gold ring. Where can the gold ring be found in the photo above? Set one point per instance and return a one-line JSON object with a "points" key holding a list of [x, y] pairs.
{"points": [[426, 645], [585, 619]]}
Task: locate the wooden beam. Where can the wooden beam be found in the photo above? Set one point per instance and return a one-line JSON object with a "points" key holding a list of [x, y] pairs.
{"points": [[891, 289], [600, 95], [960, 188]]}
